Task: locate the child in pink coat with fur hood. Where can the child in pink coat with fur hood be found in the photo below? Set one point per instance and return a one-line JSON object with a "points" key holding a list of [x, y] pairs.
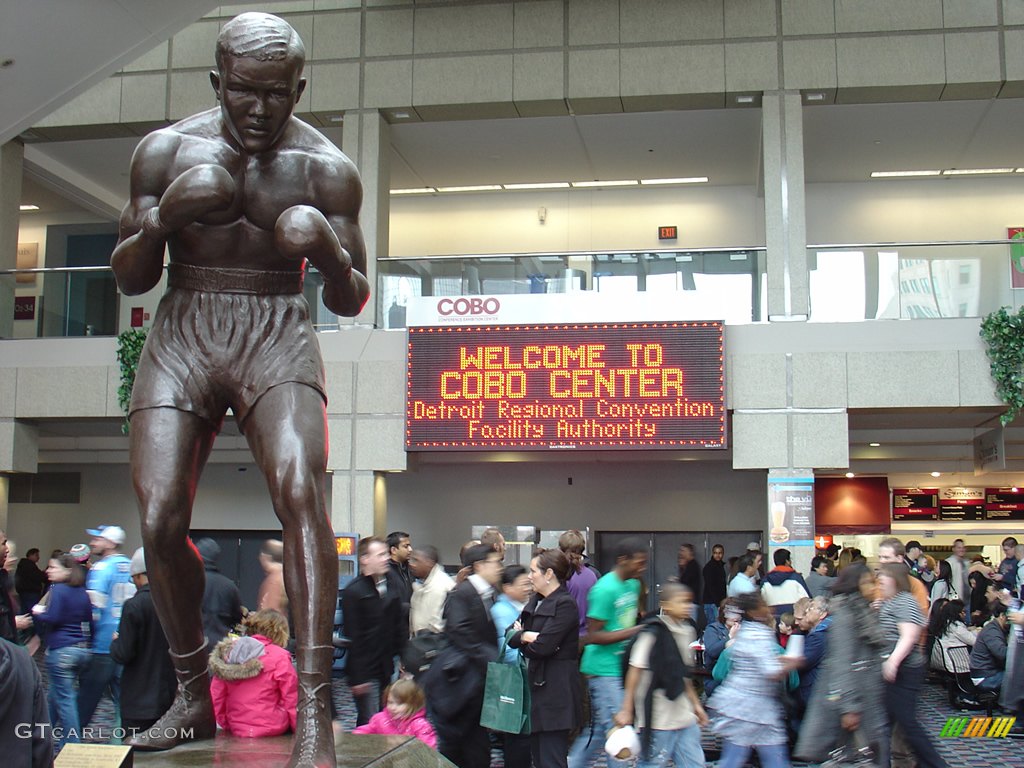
{"points": [[253, 683], [404, 715]]}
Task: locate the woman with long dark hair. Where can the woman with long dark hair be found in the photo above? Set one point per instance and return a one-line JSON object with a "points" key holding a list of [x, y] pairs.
{"points": [[943, 585], [948, 628], [548, 637], [67, 615], [849, 685], [903, 669]]}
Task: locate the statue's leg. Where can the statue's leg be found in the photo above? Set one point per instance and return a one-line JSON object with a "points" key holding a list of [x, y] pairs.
{"points": [[168, 451], [286, 430]]}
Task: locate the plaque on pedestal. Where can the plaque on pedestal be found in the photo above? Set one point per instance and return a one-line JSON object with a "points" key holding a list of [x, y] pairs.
{"points": [[93, 756]]}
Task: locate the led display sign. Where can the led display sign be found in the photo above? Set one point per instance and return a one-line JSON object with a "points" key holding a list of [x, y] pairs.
{"points": [[584, 386]]}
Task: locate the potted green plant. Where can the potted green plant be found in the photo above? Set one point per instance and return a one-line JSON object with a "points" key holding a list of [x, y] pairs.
{"points": [[129, 350], [1003, 332]]}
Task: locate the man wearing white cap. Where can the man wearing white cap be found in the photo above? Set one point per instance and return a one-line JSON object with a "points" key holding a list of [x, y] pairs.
{"points": [[109, 584], [140, 646]]}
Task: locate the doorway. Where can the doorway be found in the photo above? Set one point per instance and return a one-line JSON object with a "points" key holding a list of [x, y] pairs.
{"points": [[663, 549]]}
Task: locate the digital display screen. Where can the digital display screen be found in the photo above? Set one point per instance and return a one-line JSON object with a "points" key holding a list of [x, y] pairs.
{"points": [[586, 386]]}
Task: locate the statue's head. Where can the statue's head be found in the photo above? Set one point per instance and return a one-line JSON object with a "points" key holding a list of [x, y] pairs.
{"points": [[258, 80]]}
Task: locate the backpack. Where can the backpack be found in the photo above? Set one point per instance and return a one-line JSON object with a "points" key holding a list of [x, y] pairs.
{"points": [[421, 650]]}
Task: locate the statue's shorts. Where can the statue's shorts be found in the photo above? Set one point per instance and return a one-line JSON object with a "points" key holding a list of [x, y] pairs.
{"points": [[222, 338]]}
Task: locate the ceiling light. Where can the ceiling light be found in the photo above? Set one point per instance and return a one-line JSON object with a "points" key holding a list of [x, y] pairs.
{"points": [[1014, 489], [476, 188], [974, 171], [816, 96], [414, 191], [936, 474], [400, 115], [539, 185], [850, 475], [744, 99], [1020, 170], [875, 445], [28, 207], [619, 183], [898, 174], [684, 180]]}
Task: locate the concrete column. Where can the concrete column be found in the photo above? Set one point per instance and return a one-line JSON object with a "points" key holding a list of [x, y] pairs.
{"points": [[352, 507], [785, 205], [380, 504], [12, 156], [5, 487], [366, 140]]}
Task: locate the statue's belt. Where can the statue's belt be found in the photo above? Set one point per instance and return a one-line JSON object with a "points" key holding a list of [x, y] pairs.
{"points": [[254, 282]]}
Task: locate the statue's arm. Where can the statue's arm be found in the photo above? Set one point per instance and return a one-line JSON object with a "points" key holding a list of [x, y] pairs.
{"points": [[138, 258], [329, 236], [155, 212]]}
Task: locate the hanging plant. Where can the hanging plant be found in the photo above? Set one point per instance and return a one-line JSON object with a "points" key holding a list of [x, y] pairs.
{"points": [[129, 349], [1003, 332]]}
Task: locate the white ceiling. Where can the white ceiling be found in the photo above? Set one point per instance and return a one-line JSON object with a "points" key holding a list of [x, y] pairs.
{"points": [[54, 50]]}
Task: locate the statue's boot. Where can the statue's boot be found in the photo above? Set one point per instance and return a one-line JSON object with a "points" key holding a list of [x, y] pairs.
{"points": [[313, 746], [190, 717]]}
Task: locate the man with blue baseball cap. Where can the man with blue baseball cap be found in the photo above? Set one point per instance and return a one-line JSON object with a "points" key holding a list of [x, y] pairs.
{"points": [[109, 585]]}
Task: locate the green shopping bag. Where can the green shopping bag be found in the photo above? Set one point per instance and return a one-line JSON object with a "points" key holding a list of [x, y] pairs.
{"points": [[506, 696]]}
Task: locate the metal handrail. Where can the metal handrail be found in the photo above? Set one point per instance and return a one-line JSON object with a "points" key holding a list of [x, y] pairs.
{"points": [[571, 254]]}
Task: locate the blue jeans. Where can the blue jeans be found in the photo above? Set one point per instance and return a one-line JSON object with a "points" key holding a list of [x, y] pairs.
{"points": [[64, 667], [605, 701], [682, 747], [103, 675], [992, 682], [771, 755]]}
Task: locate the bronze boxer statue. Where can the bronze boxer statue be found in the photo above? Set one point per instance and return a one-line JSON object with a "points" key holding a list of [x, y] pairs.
{"points": [[243, 195]]}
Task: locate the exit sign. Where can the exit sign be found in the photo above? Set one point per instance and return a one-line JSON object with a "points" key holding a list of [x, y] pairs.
{"points": [[667, 233]]}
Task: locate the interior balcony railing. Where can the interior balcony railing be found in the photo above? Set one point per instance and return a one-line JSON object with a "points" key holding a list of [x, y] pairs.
{"points": [[846, 283]]}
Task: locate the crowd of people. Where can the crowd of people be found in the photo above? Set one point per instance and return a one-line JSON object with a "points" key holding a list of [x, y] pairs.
{"points": [[770, 660]]}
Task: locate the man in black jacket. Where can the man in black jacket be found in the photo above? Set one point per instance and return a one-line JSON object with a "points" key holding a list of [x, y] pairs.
{"points": [[8, 628], [455, 681], [399, 549], [147, 680], [25, 736], [222, 605], [29, 581], [371, 610]]}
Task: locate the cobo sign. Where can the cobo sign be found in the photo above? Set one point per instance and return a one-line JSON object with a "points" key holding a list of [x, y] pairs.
{"points": [[468, 306]]}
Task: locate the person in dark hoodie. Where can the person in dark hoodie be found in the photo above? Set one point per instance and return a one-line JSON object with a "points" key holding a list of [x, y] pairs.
{"points": [[782, 586], [147, 680], [25, 738], [222, 605], [659, 695]]}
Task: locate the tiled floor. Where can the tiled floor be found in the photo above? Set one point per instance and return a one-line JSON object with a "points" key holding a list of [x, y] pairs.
{"points": [[933, 708]]}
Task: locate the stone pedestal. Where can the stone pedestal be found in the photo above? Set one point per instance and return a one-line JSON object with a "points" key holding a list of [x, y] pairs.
{"points": [[353, 752]]}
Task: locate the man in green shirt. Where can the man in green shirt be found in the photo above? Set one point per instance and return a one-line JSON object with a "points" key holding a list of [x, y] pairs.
{"points": [[612, 608]]}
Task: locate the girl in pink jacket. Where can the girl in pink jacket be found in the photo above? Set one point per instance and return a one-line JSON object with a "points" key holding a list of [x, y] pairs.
{"points": [[253, 682], [404, 715]]}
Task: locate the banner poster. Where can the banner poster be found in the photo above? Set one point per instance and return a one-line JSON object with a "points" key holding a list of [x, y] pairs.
{"points": [[1004, 504], [1016, 256], [962, 504], [915, 503], [791, 510]]}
